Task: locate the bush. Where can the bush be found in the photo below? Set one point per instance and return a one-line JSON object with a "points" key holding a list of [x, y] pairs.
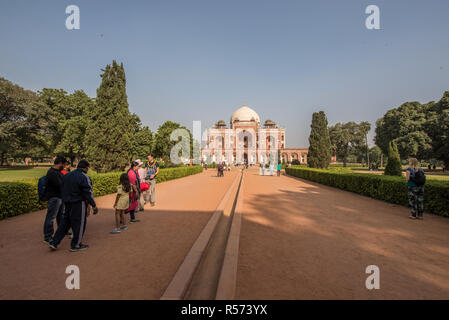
{"points": [[21, 196], [387, 188], [394, 166]]}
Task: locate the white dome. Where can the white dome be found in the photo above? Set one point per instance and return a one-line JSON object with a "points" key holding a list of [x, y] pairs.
{"points": [[245, 114]]}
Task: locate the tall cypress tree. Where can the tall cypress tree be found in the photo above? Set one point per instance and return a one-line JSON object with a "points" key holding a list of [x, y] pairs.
{"points": [[394, 167], [319, 155], [110, 128]]}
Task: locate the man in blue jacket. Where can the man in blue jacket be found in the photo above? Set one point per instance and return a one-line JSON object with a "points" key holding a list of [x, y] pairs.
{"points": [[76, 195]]}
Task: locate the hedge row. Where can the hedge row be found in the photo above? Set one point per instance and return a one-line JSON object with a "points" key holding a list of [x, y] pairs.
{"points": [[386, 188], [21, 196]]}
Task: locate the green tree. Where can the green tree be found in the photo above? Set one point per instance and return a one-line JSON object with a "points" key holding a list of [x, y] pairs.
{"points": [[437, 128], [394, 167], [142, 141], [319, 155], [364, 128], [349, 139], [110, 128], [23, 119], [405, 126], [162, 143], [73, 126], [375, 154]]}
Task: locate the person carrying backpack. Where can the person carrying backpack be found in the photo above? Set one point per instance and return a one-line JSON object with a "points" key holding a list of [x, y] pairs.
{"points": [[49, 189], [416, 178], [77, 194]]}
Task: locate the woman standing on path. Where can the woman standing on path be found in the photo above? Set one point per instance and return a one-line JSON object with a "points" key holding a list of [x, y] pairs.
{"points": [[134, 194], [415, 183], [141, 176]]}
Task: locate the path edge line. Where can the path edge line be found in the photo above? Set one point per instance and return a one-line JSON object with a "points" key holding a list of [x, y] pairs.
{"points": [[180, 282], [227, 282]]}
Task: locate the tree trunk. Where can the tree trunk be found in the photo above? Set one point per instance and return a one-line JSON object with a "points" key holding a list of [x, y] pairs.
{"points": [[344, 161], [381, 160], [367, 150]]}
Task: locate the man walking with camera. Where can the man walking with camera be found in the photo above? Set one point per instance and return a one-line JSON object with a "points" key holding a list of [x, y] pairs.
{"points": [[151, 171]]}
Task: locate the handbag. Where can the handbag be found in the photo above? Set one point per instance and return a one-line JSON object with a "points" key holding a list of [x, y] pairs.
{"points": [[144, 186]]}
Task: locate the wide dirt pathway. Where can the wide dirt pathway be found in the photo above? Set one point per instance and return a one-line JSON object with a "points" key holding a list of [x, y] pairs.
{"points": [[301, 240], [136, 264]]}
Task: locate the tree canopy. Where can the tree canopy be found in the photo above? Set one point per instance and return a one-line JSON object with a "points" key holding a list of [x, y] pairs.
{"points": [[419, 130], [349, 139], [319, 155]]}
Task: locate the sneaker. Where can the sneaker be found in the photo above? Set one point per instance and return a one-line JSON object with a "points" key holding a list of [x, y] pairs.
{"points": [[115, 230], [81, 247], [153, 204], [412, 217], [124, 227], [52, 245], [134, 220], [47, 241]]}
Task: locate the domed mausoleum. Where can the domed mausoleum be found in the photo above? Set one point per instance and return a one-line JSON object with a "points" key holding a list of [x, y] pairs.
{"points": [[246, 141]]}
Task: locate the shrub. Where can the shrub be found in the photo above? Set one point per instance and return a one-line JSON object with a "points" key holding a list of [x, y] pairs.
{"points": [[21, 196], [394, 166], [387, 188]]}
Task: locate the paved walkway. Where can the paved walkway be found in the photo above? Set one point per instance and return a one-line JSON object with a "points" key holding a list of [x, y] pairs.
{"points": [[298, 240], [301, 240], [136, 264]]}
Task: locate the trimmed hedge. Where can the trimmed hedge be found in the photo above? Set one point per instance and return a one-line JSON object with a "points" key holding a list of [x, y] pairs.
{"points": [[386, 188], [21, 196]]}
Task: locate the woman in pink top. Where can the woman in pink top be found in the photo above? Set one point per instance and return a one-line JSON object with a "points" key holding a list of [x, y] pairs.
{"points": [[134, 194]]}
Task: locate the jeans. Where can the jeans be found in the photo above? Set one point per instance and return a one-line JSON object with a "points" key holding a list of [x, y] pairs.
{"points": [[147, 195], [55, 210], [416, 200], [74, 217]]}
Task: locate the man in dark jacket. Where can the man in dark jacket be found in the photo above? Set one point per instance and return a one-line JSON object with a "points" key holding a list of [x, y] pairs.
{"points": [[55, 206], [76, 194]]}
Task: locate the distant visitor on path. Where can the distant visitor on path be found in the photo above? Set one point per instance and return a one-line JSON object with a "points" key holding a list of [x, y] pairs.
{"points": [[76, 191], [53, 196], [152, 170], [416, 179], [121, 203], [279, 169]]}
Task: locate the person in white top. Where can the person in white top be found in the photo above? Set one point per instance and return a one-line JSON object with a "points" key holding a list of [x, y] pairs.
{"points": [[141, 173]]}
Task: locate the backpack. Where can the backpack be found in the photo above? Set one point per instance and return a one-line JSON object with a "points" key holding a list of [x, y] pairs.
{"points": [[420, 178], [42, 188]]}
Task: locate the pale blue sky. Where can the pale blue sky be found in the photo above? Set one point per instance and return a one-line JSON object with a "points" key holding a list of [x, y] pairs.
{"points": [[191, 60]]}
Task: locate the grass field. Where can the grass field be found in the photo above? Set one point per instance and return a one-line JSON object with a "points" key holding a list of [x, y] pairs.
{"points": [[444, 177], [21, 174]]}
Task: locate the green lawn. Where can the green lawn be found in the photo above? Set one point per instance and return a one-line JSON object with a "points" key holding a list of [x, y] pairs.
{"points": [[444, 177], [21, 174]]}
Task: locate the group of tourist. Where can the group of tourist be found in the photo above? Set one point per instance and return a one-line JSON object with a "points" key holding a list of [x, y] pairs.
{"points": [[136, 188], [70, 199], [221, 168], [271, 169]]}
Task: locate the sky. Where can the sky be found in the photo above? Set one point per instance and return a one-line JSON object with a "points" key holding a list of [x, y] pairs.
{"points": [[189, 60]]}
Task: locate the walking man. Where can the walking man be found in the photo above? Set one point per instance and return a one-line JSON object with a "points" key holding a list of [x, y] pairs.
{"points": [[77, 195], [55, 206], [151, 172]]}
